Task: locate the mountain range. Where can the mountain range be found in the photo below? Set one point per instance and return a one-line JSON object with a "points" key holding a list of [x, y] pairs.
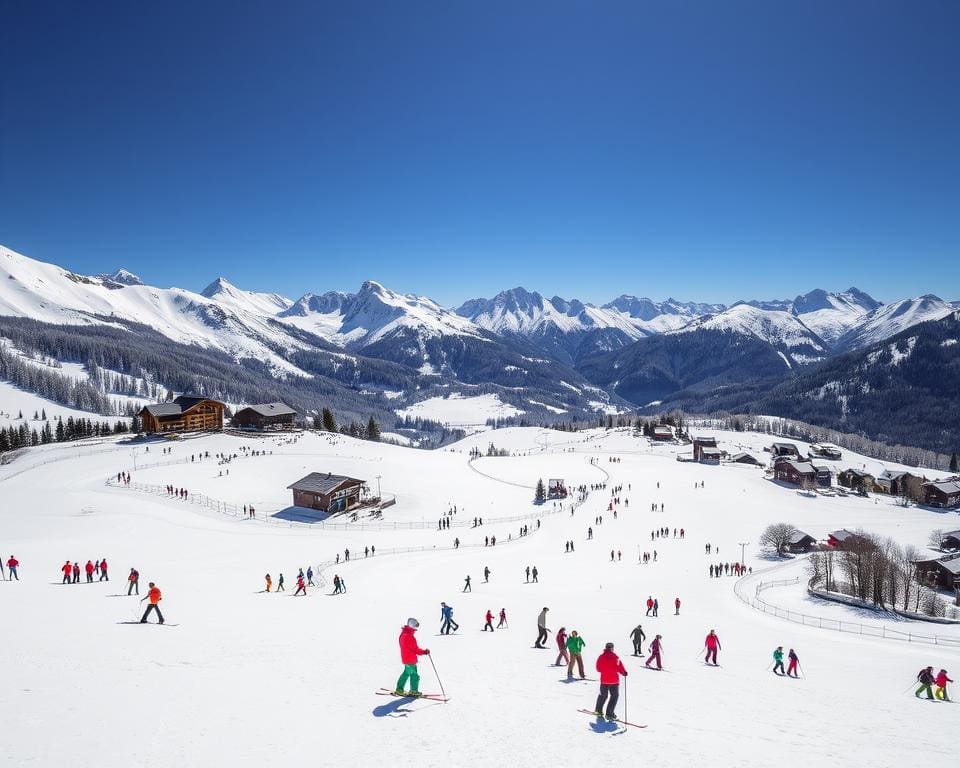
{"points": [[546, 356]]}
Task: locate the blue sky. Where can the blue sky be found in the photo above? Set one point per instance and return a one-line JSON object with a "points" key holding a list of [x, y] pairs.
{"points": [[702, 150]]}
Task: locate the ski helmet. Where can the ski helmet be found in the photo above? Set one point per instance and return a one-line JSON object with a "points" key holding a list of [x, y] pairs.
{"points": [[413, 623]]}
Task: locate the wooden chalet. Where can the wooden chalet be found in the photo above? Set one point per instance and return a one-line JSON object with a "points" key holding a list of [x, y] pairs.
{"points": [[826, 451], [844, 539], [705, 443], [855, 479], [801, 542], [663, 432], [327, 492], [950, 540], [785, 450], [265, 416], [945, 493], [944, 572], [745, 458], [894, 482], [187, 413], [800, 473], [824, 475]]}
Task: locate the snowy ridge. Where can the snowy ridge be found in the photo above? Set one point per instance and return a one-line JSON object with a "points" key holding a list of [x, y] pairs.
{"points": [[890, 319], [223, 292]]}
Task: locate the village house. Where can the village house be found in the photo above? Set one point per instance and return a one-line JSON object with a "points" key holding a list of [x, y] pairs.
{"points": [[800, 543], [265, 416], [844, 539], [663, 432], [799, 473], [788, 450], [943, 493], [950, 540], [826, 451], [824, 475], [745, 458], [943, 573], [855, 479], [187, 413], [327, 492], [705, 443]]}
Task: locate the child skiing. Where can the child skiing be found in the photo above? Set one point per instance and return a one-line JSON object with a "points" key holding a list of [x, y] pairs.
{"points": [[712, 644], [409, 653], [792, 666], [942, 681], [778, 660], [154, 597], [655, 647], [610, 668]]}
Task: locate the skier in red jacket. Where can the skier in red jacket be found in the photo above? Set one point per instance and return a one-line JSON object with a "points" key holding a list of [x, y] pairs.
{"points": [[103, 570], [67, 572], [13, 564], [942, 681], [712, 643], [610, 668], [655, 647], [676, 604], [409, 655], [562, 647], [489, 618], [89, 569]]}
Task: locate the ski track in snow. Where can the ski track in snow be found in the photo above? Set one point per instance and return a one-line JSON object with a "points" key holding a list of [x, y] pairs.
{"points": [[252, 679]]}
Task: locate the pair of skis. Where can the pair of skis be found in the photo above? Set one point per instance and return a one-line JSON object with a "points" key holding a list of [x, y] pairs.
{"points": [[430, 696], [615, 720]]}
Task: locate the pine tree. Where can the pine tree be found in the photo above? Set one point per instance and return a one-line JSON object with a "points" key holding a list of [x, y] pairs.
{"points": [[373, 430], [329, 423], [541, 495], [953, 463]]}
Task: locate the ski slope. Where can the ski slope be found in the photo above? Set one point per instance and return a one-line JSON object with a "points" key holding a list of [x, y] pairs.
{"points": [[251, 679]]}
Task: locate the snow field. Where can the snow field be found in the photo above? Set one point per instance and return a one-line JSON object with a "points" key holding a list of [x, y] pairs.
{"points": [[248, 678]]}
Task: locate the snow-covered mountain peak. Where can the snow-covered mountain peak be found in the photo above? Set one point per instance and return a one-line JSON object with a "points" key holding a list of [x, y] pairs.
{"points": [[224, 292], [890, 319], [123, 277]]}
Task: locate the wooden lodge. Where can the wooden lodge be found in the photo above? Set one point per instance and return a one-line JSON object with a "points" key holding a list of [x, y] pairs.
{"points": [[745, 458], [950, 540], [943, 573], [785, 450], [855, 480], [705, 449], [800, 543], [844, 539], [826, 451], [187, 413], [663, 432], [944, 494], [326, 492], [799, 473], [268, 416]]}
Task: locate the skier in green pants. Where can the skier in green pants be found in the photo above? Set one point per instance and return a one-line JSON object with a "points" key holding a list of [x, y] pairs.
{"points": [[926, 680], [409, 653]]}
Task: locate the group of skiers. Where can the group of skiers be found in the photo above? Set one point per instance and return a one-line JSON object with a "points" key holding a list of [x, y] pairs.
{"points": [[728, 569], [304, 579], [927, 680], [71, 571], [794, 660]]}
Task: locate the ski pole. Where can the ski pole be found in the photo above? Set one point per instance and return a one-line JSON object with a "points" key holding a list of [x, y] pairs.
{"points": [[699, 652], [439, 682], [800, 667], [626, 712]]}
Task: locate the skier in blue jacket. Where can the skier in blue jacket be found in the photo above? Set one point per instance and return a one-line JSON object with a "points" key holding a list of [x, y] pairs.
{"points": [[446, 616]]}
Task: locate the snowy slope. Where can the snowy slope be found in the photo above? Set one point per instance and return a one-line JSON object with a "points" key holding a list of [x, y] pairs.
{"points": [[890, 319], [830, 315], [784, 332], [296, 685], [223, 292]]}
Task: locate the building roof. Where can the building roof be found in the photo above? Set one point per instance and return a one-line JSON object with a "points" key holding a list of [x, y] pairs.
{"points": [[708, 451], [270, 409], [894, 474], [163, 409], [955, 534], [857, 472], [802, 467], [843, 534], [663, 428], [705, 440], [950, 563], [744, 455], [791, 446], [948, 487], [188, 401], [322, 483], [799, 537]]}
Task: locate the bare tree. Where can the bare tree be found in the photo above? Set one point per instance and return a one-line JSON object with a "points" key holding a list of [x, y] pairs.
{"points": [[936, 539], [777, 536]]}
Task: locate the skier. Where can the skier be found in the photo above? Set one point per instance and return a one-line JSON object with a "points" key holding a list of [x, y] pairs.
{"points": [[486, 574], [655, 648], [154, 597], [103, 570], [269, 582], [534, 572], [528, 574], [778, 660], [649, 604], [712, 644], [610, 668], [76, 573], [638, 637], [656, 606], [301, 587], [503, 618], [88, 568], [337, 586], [575, 645], [12, 565], [310, 576], [542, 631], [409, 651], [792, 666], [562, 647], [489, 624], [280, 584], [942, 681], [676, 605], [466, 585], [926, 679], [446, 616]]}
